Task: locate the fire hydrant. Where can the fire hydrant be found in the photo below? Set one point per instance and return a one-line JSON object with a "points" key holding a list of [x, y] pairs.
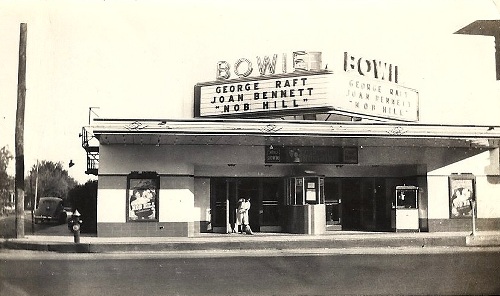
{"points": [[75, 226]]}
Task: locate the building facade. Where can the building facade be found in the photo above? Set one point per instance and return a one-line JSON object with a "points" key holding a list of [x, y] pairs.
{"points": [[315, 150]]}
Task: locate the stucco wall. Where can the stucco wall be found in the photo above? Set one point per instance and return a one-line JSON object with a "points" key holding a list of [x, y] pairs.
{"points": [[180, 159], [111, 199], [176, 199], [484, 166], [201, 215], [186, 170]]}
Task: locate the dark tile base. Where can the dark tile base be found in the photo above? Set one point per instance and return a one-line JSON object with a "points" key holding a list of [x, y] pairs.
{"points": [[440, 225], [146, 229]]}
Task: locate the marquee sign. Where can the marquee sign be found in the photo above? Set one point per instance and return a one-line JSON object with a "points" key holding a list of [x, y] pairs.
{"points": [[287, 93], [375, 98], [365, 87]]}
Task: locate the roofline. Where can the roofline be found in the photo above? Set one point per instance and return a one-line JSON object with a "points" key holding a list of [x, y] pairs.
{"points": [[272, 127], [305, 122]]}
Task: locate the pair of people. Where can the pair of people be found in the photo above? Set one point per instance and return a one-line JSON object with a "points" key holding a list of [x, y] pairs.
{"points": [[242, 219]]}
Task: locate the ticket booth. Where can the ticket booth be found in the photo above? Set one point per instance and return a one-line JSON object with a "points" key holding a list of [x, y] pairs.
{"points": [[405, 208], [305, 205]]}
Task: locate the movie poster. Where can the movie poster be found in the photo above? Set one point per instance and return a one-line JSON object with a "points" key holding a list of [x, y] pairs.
{"points": [[142, 203], [462, 193]]}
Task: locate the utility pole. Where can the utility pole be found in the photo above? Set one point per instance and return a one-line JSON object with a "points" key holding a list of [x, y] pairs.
{"points": [[35, 201], [19, 133]]}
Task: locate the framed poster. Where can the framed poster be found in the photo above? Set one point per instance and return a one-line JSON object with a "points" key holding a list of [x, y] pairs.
{"points": [[142, 197], [462, 191]]}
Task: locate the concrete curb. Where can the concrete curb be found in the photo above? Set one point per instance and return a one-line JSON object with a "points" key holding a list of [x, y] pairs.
{"points": [[253, 244], [482, 241]]}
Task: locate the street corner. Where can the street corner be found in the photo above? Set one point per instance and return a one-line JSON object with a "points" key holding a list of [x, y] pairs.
{"points": [[59, 247], [16, 244]]}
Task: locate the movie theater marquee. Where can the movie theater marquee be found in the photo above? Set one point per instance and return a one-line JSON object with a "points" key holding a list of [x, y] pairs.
{"points": [[285, 94], [364, 87]]}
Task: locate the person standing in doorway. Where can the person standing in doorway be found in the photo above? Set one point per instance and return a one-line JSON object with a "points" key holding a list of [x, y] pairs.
{"points": [[246, 221], [240, 211]]}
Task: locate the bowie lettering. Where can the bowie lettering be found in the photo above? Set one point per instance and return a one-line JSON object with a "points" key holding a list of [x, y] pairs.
{"points": [[243, 67], [369, 87], [371, 67]]}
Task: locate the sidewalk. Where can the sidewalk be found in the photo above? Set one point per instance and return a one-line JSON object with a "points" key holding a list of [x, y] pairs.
{"points": [[259, 241]]}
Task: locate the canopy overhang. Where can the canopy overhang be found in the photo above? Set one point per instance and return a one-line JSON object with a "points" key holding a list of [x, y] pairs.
{"points": [[254, 132]]}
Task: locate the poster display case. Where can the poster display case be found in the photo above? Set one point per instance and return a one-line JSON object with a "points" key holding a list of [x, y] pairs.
{"points": [[462, 191], [142, 197]]}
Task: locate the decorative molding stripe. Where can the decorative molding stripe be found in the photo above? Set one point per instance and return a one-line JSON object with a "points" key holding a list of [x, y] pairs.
{"points": [[135, 126], [270, 128], [159, 174], [397, 131]]}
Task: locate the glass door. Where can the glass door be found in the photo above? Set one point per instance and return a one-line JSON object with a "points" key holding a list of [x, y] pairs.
{"points": [[249, 188], [272, 205], [223, 203], [266, 199], [333, 202]]}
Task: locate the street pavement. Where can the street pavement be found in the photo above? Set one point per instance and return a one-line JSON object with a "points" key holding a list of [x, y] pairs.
{"points": [[336, 263], [370, 271], [57, 238]]}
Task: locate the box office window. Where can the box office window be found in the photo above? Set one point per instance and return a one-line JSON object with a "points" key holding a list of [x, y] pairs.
{"points": [[142, 196]]}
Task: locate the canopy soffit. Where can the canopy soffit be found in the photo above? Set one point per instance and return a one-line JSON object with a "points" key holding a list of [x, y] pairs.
{"points": [[258, 132]]}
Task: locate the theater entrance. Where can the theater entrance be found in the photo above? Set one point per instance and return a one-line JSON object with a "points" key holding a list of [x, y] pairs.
{"points": [[266, 197], [361, 203]]}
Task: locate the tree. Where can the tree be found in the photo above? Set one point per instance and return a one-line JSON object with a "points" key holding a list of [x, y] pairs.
{"points": [[53, 180], [84, 199], [6, 181]]}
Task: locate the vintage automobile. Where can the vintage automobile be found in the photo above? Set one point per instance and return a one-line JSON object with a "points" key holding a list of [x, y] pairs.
{"points": [[50, 209]]}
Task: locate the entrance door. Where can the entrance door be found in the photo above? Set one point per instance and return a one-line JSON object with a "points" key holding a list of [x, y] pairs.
{"points": [[333, 204], [272, 205], [223, 203], [266, 199], [249, 188], [352, 203], [366, 204]]}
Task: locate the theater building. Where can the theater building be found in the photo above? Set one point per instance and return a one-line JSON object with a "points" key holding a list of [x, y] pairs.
{"points": [[316, 150]]}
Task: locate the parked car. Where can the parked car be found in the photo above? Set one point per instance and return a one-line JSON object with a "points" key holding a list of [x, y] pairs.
{"points": [[50, 209]]}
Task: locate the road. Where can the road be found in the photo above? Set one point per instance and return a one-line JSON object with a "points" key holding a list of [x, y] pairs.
{"points": [[413, 272], [8, 227]]}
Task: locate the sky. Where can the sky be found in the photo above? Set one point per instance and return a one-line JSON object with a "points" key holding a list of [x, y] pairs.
{"points": [[141, 59]]}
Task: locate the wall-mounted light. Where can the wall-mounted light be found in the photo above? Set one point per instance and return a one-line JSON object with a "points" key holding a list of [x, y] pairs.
{"points": [[339, 166], [491, 128], [231, 164]]}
